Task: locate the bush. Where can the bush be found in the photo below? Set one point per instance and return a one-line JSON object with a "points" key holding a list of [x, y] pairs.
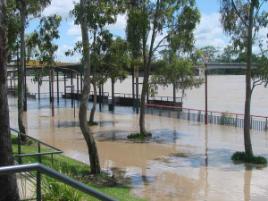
{"points": [[243, 157], [139, 136]]}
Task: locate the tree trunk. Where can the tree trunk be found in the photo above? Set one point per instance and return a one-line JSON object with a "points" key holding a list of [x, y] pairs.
{"points": [[91, 145], [247, 121], [21, 86], [113, 98], [8, 183], [174, 92], [93, 109], [147, 66]]}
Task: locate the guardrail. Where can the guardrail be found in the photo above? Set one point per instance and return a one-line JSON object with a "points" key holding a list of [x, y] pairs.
{"points": [[50, 150], [258, 122], [41, 169]]}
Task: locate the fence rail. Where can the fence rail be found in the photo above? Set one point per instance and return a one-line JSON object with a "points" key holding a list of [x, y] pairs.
{"points": [[258, 122], [41, 169]]}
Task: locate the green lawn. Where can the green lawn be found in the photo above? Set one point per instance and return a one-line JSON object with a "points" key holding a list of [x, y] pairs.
{"points": [[55, 191]]}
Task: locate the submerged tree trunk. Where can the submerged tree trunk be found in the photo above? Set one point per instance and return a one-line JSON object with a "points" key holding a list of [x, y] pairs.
{"points": [[247, 120], [8, 183], [91, 145], [93, 109], [147, 68], [21, 81]]}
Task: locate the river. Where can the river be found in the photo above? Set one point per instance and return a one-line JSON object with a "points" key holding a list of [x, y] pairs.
{"points": [[226, 93]]}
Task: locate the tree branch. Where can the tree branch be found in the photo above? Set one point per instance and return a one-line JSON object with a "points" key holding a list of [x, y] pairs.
{"points": [[238, 14]]}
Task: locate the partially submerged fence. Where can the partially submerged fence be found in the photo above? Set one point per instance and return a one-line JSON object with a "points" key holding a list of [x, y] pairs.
{"points": [[259, 123]]}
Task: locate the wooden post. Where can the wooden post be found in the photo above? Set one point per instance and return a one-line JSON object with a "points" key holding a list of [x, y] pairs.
{"points": [[52, 92], [77, 83], [58, 93], [206, 96], [72, 89], [64, 83]]}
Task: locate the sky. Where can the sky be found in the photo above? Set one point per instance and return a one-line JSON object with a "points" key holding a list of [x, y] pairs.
{"points": [[208, 32]]}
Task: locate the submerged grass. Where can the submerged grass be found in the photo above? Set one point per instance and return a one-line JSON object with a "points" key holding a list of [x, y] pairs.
{"points": [[139, 136], [243, 157], [53, 190]]}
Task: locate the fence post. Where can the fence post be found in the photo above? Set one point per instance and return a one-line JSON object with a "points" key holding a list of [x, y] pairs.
{"points": [[236, 120], [19, 147], [265, 124], [38, 176]]}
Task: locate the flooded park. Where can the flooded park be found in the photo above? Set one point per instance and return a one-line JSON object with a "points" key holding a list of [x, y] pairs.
{"points": [[133, 100], [183, 159]]}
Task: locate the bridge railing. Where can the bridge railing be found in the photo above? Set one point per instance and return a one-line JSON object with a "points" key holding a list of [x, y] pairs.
{"points": [[259, 123]]}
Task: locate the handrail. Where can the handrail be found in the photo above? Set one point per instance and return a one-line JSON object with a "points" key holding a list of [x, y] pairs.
{"points": [[36, 140], [56, 175], [199, 110]]}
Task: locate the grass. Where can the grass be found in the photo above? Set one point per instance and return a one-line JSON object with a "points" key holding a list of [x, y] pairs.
{"points": [[242, 157], [54, 190], [139, 136]]}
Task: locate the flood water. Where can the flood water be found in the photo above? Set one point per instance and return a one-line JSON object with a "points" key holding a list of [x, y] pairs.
{"points": [[226, 93], [183, 161]]}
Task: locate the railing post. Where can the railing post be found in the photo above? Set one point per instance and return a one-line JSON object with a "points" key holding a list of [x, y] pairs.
{"points": [[38, 176], [188, 117], [265, 124], [38, 186], [19, 148], [236, 121]]}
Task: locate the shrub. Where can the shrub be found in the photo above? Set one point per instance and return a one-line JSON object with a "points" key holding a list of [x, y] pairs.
{"points": [[243, 157]]}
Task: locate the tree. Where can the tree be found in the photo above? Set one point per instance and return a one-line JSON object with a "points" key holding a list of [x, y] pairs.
{"points": [[179, 72], [116, 62], [156, 17], [210, 52], [8, 183], [26, 8], [81, 18], [242, 20], [45, 36]]}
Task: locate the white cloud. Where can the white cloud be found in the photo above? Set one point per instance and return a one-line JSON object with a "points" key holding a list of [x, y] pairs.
{"points": [[60, 54], [210, 32], [60, 7]]}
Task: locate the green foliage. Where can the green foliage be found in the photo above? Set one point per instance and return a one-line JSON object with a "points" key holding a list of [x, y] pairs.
{"points": [[139, 136], [56, 191], [47, 33], [235, 19], [242, 157], [179, 72]]}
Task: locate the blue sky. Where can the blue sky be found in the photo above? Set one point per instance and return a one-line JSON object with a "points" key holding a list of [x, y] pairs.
{"points": [[208, 32]]}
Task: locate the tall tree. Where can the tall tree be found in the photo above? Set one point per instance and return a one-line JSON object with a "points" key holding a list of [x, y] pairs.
{"points": [[46, 35], [156, 17], [179, 72], [81, 18], [8, 183], [116, 62], [242, 19], [26, 8]]}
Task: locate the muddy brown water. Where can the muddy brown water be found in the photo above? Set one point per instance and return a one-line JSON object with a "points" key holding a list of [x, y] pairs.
{"points": [[184, 160]]}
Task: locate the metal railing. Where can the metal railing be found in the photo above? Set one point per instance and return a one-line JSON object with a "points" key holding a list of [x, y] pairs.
{"points": [[259, 123], [41, 169], [49, 150]]}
